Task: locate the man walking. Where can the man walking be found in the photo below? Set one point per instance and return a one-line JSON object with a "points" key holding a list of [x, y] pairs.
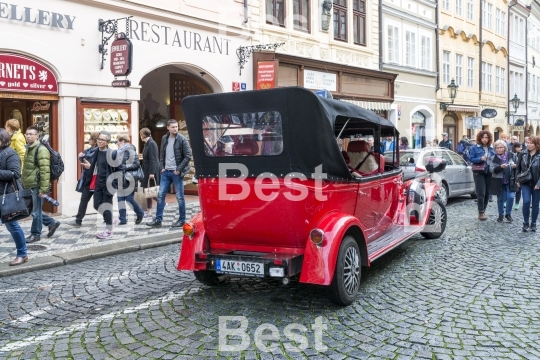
{"points": [[36, 176], [447, 143], [175, 155]]}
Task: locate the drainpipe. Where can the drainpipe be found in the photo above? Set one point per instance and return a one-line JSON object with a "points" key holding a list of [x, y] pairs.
{"points": [[526, 74], [245, 12], [438, 84], [381, 64], [481, 45]]}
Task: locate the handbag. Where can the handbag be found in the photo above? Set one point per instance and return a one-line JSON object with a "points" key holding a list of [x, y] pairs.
{"points": [[93, 180], [525, 176], [16, 205], [151, 191], [479, 167], [138, 174]]}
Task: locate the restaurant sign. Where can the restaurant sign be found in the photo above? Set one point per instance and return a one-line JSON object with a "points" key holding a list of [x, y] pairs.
{"points": [[19, 73], [266, 74]]}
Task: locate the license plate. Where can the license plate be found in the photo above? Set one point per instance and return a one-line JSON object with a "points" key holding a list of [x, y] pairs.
{"points": [[240, 267]]}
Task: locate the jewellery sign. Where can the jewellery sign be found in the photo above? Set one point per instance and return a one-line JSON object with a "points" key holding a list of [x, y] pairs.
{"points": [[22, 74], [121, 55]]}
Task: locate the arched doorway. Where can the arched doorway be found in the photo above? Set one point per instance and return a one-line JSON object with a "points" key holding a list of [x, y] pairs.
{"points": [[496, 133], [418, 121], [450, 127]]}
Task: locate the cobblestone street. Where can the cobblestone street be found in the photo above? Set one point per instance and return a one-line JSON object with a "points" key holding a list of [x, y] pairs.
{"points": [[474, 293]]}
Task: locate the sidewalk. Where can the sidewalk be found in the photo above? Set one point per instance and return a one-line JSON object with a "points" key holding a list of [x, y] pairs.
{"points": [[74, 244]]}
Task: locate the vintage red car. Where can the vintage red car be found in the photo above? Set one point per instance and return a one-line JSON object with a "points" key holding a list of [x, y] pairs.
{"points": [[286, 192]]}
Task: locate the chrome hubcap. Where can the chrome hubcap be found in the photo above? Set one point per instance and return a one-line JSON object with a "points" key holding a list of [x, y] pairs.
{"points": [[351, 271], [436, 218], [442, 194]]}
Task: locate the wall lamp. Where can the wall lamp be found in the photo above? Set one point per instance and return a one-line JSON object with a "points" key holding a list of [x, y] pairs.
{"points": [[452, 92]]}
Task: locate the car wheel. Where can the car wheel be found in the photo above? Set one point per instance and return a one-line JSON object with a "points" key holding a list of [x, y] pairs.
{"points": [[436, 223], [473, 195], [442, 194], [346, 280], [207, 277]]}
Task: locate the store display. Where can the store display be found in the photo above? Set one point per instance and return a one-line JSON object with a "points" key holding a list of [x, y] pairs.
{"points": [[41, 121], [105, 119]]}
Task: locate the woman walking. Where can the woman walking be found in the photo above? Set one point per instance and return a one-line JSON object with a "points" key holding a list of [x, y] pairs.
{"points": [[529, 162], [502, 166], [404, 143], [84, 185], [10, 170], [516, 149], [18, 141], [150, 166], [479, 154], [130, 164]]}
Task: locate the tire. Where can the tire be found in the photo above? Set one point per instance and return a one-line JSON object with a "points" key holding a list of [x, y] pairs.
{"points": [[473, 195], [207, 277], [436, 223], [442, 194], [347, 274]]}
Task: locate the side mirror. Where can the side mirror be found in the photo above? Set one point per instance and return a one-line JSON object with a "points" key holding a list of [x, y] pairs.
{"points": [[411, 160], [435, 164]]}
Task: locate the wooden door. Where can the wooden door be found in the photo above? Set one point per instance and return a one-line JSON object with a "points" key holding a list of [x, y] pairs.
{"points": [[182, 86]]}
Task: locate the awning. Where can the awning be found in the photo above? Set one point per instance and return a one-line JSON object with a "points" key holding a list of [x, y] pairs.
{"points": [[463, 108], [370, 105]]}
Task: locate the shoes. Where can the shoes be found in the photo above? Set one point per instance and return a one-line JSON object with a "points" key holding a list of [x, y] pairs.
{"points": [[178, 224], [115, 223], [475, 200], [482, 216], [533, 227], [525, 227], [122, 223], [139, 220], [147, 216], [516, 206], [18, 261], [500, 218], [52, 229], [32, 239], [76, 223], [490, 198], [508, 218], [154, 224], [105, 234]]}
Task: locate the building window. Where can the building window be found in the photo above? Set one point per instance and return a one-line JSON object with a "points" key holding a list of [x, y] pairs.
{"points": [[275, 12], [393, 44], [459, 69], [470, 10], [446, 5], [426, 53], [340, 20], [359, 22], [470, 72], [301, 15], [499, 81], [410, 48], [521, 32], [489, 16], [459, 7], [489, 77], [537, 86], [446, 67], [500, 22]]}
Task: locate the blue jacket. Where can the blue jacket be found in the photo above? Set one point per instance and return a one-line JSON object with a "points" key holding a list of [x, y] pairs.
{"points": [[476, 152], [383, 146]]}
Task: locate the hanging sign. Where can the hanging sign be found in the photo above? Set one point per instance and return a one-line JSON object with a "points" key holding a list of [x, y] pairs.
{"points": [[121, 55], [266, 74], [121, 83], [19, 73]]}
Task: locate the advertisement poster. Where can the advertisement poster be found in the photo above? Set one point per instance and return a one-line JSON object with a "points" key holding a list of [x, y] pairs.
{"points": [[266, 74]]}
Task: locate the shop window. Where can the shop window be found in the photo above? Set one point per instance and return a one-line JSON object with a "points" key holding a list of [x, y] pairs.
{"points": [[287, 76], [301, 15], [360, 85], [359, 22], [275, 12], [340, 20], [245, 134]]}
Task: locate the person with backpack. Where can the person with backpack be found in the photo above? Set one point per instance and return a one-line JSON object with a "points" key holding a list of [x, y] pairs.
{"points": [[36, 175], [462, 145]]}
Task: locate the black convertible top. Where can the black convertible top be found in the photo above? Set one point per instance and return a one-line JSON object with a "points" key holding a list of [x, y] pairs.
{"points": [[310, 124]]}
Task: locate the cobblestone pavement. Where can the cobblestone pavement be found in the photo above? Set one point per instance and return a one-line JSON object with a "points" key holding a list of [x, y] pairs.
{"points": [[474, 293]]}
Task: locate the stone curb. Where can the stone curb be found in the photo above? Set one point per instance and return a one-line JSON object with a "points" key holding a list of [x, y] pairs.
{"points": [[96, 252]]}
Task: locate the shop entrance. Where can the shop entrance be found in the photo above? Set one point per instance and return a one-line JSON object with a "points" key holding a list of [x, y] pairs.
{"points": [[450, 126]]}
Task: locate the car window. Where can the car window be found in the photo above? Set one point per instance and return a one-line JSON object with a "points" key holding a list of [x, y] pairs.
{"points": [[445, 156], [458, 160], [403, 157]]}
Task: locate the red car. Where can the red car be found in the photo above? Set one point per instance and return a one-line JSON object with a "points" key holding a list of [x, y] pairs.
{"points": [[285, 191]]}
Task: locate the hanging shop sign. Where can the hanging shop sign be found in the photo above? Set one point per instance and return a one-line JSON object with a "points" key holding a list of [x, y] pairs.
{"points": [[473, 122], [121, 55], [266, 74], [19, 73], [489, 113], [517, 128], [320, 80]]}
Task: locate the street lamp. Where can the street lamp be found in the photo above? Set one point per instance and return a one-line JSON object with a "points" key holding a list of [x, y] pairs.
{"points": [[515, 104], [452, 92]]}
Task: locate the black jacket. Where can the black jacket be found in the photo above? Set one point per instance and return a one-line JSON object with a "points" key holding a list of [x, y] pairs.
{"points": [[87, 173], [182, 153], [498, 173], [130, 163], [10, 169], [114, 165], [447, 144], [523, 165], [150, 162]]}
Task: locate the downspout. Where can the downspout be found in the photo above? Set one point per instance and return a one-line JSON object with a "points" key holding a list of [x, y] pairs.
{"points": [[438, 84], [508, 72], [381, 64], [481, 45], [526, 74]]}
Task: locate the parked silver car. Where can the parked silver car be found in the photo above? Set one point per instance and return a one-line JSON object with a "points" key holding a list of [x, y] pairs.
{"points": [[456, 180]]}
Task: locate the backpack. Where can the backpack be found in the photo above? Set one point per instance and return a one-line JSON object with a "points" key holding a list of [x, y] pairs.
{"points": [[465, 153], [57, 165], [460, 148]]}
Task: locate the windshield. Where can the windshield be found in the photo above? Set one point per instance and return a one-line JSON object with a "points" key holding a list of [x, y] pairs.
{"points": [[404, 157]]}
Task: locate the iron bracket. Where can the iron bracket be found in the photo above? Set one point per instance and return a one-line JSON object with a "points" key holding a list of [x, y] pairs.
{"points": [[109, 27], [244, 52]]}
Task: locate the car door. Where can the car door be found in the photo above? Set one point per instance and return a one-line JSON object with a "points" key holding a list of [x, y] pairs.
{"points": [[466, 180], [450, 174]]}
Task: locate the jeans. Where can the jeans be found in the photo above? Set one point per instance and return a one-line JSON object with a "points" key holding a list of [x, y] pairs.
{"points": [[530, 196], [481, 182], [168, 177], [103, 204], [505, 196], [518, 195], [86, 195], [39, 218], [18, 236], [122, 207]]}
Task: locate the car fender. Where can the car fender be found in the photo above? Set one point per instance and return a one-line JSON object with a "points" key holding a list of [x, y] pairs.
{"points": [[320, 261], [191, 246]]}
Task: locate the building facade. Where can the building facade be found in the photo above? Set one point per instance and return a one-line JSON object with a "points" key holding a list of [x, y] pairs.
{"points": [[533, 70], [53, 76]]}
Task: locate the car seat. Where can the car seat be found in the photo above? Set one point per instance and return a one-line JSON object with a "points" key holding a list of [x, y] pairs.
{"points": [[355, 155], [247, 147]]}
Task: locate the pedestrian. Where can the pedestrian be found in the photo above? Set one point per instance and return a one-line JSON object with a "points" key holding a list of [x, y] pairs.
{"points": [[104, 164], [387, 145], [36, 175], [516, 149], [479, 154], [435, 142], [10, 170], [505, 138], [84, 184], [18, 142], [513, 139], [370, 141], [428, 143], [502, 166], [462, 145], [530, 190], [524, 144], [446, 142], [175, 155], [129, 184], [150, 166], [404, 143]]}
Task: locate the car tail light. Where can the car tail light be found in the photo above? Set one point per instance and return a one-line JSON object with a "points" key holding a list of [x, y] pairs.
{"points": [[189, 229], [200, 265], [278, 262], [202, 256], [317, 236]]}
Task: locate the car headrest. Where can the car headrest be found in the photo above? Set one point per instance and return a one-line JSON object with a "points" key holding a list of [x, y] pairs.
{"points": [[358, 146], [248, 147]]}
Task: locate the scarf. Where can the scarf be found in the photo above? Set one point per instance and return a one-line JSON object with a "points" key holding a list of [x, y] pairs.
{"points": [[503, 157], [506, 172]]}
